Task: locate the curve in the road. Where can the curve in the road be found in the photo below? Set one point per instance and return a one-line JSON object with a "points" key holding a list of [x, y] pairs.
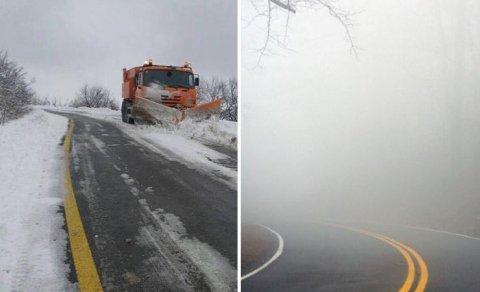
{"points": [[422, 282], [407, 252], [408, 283], [273, 258]]}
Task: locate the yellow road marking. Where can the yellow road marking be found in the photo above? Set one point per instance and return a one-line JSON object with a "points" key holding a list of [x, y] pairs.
{"points": [[406, 252], [407, 284], [82, 256], [422, 282]]}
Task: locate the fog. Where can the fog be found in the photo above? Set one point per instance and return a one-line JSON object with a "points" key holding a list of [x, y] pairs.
{"points": [[63, 44], [392, 135]]}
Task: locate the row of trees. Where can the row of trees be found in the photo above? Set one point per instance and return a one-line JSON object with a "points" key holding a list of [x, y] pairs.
{"points": [[49, 101], [15, 91], [94, 96], [87, 96]]}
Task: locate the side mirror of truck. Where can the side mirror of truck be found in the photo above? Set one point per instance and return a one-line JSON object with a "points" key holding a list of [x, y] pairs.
{"points": [[197, 81]]}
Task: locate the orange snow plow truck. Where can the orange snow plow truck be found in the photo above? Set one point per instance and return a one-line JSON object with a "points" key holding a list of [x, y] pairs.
{"points": [[163, 94]]}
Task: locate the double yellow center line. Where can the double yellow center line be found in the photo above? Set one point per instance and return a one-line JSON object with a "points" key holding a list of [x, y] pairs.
{"points": [[408, 253]]}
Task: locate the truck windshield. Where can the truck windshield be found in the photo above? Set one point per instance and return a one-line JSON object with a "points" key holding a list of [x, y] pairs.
{"points": [[170, 78]]}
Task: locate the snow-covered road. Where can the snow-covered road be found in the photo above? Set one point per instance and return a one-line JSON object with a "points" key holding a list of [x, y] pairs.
{"points": [[190, 176], [152, 219], [209, 146]]}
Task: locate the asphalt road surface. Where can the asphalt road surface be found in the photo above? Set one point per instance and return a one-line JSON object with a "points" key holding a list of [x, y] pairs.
{"points": [[320, 257], [152, 224]]}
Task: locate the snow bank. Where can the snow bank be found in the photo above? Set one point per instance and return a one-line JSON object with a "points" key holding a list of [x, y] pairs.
{"points": [[191, 153], [214, 131], [32, 241], [97, 112]]}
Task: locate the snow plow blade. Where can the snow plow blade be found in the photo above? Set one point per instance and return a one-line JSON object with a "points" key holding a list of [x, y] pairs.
{"points": [[204, 111], [151, 111]]}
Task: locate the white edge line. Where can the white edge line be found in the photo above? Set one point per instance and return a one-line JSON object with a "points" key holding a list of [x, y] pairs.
{"points": [[272, 259], [443, 232], [429, 230]]}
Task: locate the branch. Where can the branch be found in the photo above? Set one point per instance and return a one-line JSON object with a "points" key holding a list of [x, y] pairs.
{"points": [[267, 39], [344, 20], [290, 6], [284, 6]]}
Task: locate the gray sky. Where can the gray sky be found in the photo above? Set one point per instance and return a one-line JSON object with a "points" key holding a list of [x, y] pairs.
{"points": [[63, 44], [396, 130]]}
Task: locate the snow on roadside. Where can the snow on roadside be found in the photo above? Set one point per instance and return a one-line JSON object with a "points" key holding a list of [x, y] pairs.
{"points": [[210, 131], [187, 142], [197, 155], [32, 241]]}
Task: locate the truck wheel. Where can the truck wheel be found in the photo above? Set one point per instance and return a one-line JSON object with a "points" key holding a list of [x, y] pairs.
{"points": [[128, 113], [124, 112]]}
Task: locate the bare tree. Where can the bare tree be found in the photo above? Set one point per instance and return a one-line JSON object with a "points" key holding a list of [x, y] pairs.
{"points": [[290, 7], [226, 90], [230, 100], [94, 97], [15, 91], [209, 89]]}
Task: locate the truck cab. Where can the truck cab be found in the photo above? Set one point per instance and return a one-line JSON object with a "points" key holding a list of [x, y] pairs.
{"points": [[172, 86]]}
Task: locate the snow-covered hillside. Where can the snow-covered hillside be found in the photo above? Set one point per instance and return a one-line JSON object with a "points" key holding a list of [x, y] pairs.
{"points": [[32, 241]]}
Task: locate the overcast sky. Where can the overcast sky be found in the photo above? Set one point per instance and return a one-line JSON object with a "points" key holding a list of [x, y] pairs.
{"points": [[63, 44], [394, 131]]}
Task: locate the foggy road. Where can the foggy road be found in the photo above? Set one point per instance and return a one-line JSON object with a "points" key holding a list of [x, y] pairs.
{"points": [[152, 224], [321, 257]]}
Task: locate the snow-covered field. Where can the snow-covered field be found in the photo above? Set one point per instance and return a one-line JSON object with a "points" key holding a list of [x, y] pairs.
{"points": [[189, 142], [32, 241]]}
